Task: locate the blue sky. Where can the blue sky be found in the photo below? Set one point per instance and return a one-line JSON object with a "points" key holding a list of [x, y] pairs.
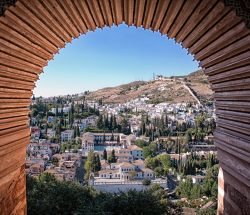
{"points": [[110, 57]]}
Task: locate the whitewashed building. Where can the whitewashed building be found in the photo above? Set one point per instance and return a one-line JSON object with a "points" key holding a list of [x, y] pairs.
{"points": [[67, 135], [136, 152]]}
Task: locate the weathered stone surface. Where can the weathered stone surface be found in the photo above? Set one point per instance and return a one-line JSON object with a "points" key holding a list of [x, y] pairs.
{"points": [[13, 194], [233, 196]]}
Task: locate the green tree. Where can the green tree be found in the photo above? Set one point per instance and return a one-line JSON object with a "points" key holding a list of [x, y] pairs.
{"points": [[159, 171], [106, 122], [56, 197], [100, 123], [100, 102], [195, 192], [104, 138], [143, 126], [152, 163], [74, 131], [69, 198], [188, 137], [153, 147], [140, 143], [147, 152], [210, 183], [89, 164], [97, 163], [77, 131], [165, 161], [105, 154], [112, 158], [114, 122], [146, 182], [185, 188]]}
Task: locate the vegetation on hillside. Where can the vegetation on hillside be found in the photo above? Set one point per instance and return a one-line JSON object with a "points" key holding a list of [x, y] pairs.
{"points": [[171, 91]]}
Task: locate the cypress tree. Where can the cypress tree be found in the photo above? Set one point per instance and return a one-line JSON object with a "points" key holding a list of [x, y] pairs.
{"points": [[74, 132], [106, 122], [111, 122], [118, 139], [100, 122], [129, 130], [77, 131], [61, 112], [166, 121], [143, 128], [114, 122], [104, 138], [112, 158], [105, 156], [112, 137], [56, 110], [97, 163]]}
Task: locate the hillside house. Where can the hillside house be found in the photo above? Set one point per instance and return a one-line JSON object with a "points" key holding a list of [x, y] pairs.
{"points": [[67, 135]]}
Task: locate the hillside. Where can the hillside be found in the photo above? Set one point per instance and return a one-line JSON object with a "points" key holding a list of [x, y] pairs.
{"points": [[198, 82], [170, 90]]}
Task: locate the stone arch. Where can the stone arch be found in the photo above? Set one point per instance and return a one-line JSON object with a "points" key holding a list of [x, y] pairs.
{"points": [[31, 32]]}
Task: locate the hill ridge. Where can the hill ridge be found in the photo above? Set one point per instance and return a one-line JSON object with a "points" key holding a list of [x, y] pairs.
{"points": [[163, 89]]}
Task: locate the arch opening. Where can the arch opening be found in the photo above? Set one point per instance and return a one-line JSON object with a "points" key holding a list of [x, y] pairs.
{"points": [[103, 69]]}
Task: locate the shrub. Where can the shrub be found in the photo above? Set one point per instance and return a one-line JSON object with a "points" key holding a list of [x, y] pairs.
{"points": [[146, 182]]}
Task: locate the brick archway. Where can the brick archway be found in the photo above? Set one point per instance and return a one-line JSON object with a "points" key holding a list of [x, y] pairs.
{"points": [[31, 32]]}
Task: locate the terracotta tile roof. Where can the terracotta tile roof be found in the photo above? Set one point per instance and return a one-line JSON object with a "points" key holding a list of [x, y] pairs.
{"points": [[134, 147], [126, 164]]}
